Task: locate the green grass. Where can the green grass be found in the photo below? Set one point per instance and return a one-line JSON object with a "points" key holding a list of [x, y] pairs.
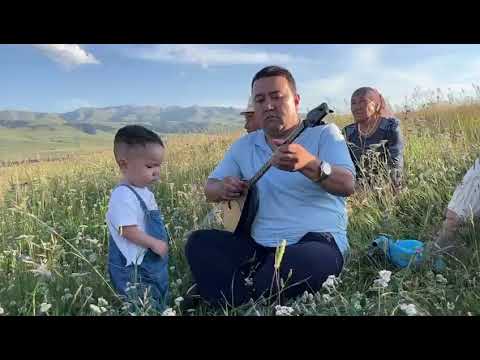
{"points": [[53, 214], [23, 143]]}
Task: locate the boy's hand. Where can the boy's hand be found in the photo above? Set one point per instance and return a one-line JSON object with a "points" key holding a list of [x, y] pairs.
{"points": [[159, 247], [139, 237]]}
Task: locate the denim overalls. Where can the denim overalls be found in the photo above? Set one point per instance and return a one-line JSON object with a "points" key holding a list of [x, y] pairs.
{"points": [[151, 273]]}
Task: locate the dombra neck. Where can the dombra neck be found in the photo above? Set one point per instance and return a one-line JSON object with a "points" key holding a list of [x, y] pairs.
{"points": [[283, 136], [269, 143]]}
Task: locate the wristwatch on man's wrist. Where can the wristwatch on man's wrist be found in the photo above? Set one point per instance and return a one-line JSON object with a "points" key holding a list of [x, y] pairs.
{"points": [[325, 171]]}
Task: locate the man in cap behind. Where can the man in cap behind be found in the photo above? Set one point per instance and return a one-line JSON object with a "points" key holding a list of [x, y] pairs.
{"points": [[251, 123]]}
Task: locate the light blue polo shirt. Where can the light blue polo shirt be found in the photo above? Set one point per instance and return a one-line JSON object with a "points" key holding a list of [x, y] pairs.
{"points": [[290, 204]]}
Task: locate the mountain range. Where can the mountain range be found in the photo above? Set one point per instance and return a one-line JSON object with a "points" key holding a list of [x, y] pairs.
{"points": [[170, 119]]}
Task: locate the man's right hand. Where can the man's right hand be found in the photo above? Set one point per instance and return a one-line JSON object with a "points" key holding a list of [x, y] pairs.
{"points": [[232, 188]]}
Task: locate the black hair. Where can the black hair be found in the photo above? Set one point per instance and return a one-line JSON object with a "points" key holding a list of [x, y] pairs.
{"points": [[134, 135], [274, 70]]}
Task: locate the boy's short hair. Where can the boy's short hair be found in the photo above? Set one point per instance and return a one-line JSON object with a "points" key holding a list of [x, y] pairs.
{"points": [[274, 70], [134, 135]]}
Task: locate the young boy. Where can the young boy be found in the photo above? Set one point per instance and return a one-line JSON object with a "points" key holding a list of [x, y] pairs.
{"points": [[138, 244]]}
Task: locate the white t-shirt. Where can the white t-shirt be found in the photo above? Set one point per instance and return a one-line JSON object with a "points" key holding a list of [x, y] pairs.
{"points": [[124, 209]]}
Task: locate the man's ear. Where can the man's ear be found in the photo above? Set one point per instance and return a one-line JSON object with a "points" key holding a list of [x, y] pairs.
{"points": [[296, 100]]}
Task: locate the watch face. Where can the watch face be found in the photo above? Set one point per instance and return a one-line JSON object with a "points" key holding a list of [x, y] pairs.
{"points": [[326, 168]]}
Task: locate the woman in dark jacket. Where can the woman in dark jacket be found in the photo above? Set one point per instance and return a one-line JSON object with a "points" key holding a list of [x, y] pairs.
{"points": [[374, 139]]}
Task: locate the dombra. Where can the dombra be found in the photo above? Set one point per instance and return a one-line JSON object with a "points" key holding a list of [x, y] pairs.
{"points": [[239, 214]]}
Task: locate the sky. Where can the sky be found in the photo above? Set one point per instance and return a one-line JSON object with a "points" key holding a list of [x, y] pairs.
{"points": [[64, 77]]}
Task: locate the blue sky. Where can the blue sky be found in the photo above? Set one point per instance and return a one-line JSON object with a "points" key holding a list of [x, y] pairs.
{"points": [[63, 77]]}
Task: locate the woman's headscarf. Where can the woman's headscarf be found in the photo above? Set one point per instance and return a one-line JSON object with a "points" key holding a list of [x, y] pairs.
{"points": [[383, 109]]}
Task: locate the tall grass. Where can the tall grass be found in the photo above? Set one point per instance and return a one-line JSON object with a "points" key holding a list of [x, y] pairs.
{"points": [[53, 236]]}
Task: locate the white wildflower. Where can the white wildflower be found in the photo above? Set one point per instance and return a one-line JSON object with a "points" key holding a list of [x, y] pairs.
{"points": [[130, 287], [97, 309], [384, 278], [283, 310], [44, 307], [102, 301], [307, 297], [330, 282], [178, 300], [179, 281], [1, 311], [169, 312], [410, 309], [42, 270], [450, 306], [172, 268], [441, 279], [93, 241], [248, 281], [26, 259], [66, 297], [357, 306], [327, 298]]}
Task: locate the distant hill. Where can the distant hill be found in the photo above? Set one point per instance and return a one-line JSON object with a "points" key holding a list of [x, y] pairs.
{"points": [[171, 119]]}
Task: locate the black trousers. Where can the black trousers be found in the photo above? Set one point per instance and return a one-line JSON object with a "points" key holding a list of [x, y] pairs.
{"points": [[220, 263]]}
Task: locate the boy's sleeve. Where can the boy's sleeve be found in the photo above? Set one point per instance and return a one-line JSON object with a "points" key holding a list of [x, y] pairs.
{"points": [[333, 148], [122, 208], [227, 167]]}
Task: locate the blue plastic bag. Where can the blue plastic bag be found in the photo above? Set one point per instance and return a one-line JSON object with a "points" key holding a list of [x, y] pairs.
{"points": [[401, 253]]}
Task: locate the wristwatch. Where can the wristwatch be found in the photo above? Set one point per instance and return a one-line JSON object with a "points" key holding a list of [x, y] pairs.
{"points": [[325, 171]]}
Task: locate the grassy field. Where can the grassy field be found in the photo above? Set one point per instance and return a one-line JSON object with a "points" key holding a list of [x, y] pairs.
{"points": [[44, 144], [53, 238]]}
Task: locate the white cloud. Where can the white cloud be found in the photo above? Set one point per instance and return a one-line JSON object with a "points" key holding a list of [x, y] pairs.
{"points": [[68, 55], [208, 55], [395, 82], [365, 56]]}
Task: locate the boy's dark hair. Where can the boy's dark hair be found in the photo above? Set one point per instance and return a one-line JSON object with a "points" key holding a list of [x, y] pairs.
{"points": [[134, 135], [276, 71]]}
